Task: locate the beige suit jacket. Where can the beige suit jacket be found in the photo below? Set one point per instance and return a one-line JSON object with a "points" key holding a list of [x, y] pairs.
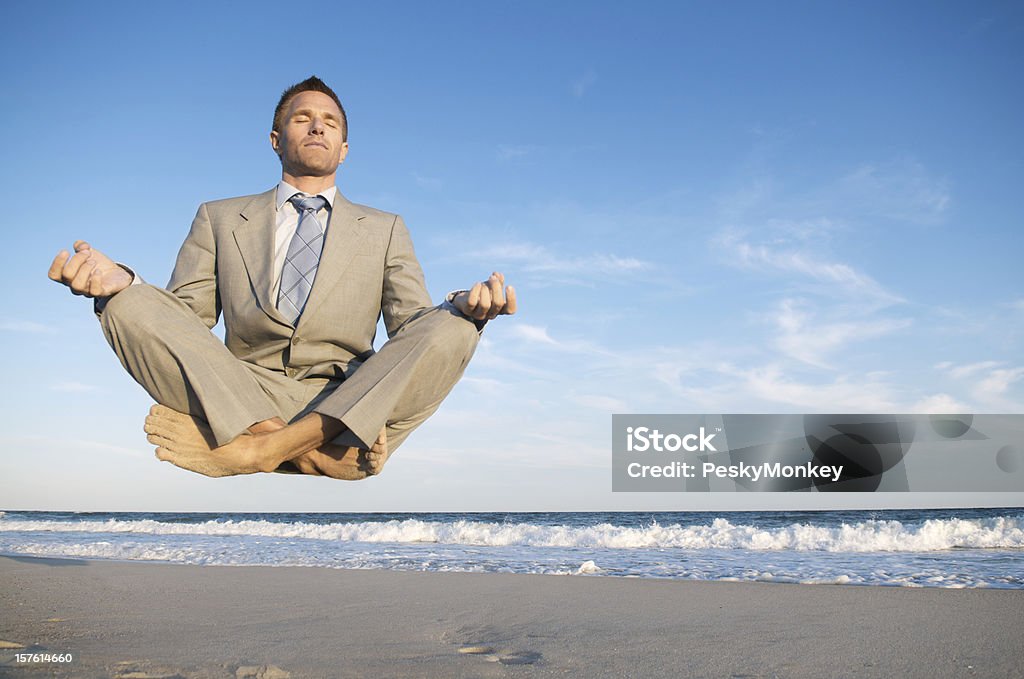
{"points": [[368, 267]]}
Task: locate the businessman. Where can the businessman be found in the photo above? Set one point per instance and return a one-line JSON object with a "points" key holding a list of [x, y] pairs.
{"points": [[301, 276]]}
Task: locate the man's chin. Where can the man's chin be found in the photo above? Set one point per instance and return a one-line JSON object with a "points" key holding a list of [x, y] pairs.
{"points": [[318, 170]]}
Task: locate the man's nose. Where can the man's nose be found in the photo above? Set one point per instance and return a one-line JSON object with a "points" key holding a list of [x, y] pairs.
{"points": [[316, 126]]}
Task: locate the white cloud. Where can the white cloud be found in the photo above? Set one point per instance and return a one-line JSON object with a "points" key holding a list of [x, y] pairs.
{"points": [[73, 387], [601, 403], [998, 382], [939, 404], [539, 335], [991, 383], [865, 394], [539, 259], [27, 326], [960, 372], [52, 443], [432, 183], [901, 190], [516, 151], [810, 340], [841, 277], [484, 385], [533, 333]]}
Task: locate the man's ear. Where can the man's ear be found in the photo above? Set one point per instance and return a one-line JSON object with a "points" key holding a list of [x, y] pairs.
{"points": [[275, 141]]}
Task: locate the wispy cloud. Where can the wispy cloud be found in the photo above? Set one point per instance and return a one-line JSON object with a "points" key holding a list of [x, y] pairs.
{"points": [[516, 151], [839, 276], [73, 387], [938, 404], [989, 382], [484, 385], [53, 443], [539, 336], [432, 183], [810, 339], [27, 326], [961, 371], [583, 83], [602, 403], [533, 333], [539, 259], [847, 393], [902, 190], [997, 382]]}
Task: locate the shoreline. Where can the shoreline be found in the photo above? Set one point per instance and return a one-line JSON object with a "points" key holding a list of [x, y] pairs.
{"points": [[157, 619], [587, 574]]}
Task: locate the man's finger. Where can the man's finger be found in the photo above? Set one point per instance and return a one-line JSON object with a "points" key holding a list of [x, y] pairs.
{"points": [[95, 286], [73, 265], [495, 283], [474, 297], [510, 300], [482, 309], [80, 283], [58, 265], [80, 245]]}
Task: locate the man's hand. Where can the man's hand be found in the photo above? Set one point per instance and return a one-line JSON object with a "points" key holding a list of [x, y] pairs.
{"points": [[89, 272], [488, 299]]}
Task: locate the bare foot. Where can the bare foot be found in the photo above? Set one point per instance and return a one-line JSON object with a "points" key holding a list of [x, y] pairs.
{"points": [[343, 462], [378, 454], [187, 442]]}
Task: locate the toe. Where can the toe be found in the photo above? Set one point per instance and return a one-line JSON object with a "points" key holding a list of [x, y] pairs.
{"points": [[163, 412]]}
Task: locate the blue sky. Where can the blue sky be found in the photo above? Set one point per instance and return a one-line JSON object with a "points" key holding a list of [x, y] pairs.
{"points": [[705, 207]]}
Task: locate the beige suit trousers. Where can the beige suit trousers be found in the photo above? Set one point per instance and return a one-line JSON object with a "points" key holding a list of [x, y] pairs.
{"points": [[170, 351]]}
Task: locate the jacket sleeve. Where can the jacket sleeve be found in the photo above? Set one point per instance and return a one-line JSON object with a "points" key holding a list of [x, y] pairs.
{"points": [[194, 280], [404, 294]]}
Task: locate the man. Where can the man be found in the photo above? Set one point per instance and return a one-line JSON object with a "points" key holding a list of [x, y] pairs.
{"points": [[301, 276]]}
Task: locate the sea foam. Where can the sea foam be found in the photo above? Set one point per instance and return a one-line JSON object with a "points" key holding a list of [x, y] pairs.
{"points": [[1001, 532]]}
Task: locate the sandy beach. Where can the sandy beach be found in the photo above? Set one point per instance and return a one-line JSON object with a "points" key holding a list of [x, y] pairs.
{"points": [[133, 620]]}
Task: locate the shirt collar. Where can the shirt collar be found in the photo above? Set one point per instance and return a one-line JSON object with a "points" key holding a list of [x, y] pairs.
{"points": [[286, 191]]}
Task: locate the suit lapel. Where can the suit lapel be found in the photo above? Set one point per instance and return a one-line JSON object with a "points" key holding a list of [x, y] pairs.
{"points": [[344, 239], [254, 235]]}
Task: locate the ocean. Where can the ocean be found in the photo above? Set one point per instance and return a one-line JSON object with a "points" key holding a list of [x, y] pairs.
{"points": [[907, 548]]}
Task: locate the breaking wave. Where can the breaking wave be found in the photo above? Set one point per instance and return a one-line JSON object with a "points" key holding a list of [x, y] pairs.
{"points": [[1000, 532]]}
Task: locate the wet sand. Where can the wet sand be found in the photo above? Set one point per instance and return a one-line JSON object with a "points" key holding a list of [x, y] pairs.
{"points": [[138, 620]]}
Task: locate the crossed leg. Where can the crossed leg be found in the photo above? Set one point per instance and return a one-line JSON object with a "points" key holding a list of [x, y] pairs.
{"points": [[215, 419]]}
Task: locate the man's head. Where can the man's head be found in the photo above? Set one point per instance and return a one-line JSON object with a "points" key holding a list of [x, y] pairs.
{"points": [[310, 130], [310, 84]]}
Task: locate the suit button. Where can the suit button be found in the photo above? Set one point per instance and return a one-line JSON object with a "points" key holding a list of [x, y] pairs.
{"points": [[296, 340]]}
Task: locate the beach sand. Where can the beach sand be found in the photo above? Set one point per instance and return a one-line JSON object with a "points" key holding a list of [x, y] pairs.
{"points": [[138, 620]]}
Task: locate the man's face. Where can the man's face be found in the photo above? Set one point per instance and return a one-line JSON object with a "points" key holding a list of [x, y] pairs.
{"points": [[309, 142]]}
